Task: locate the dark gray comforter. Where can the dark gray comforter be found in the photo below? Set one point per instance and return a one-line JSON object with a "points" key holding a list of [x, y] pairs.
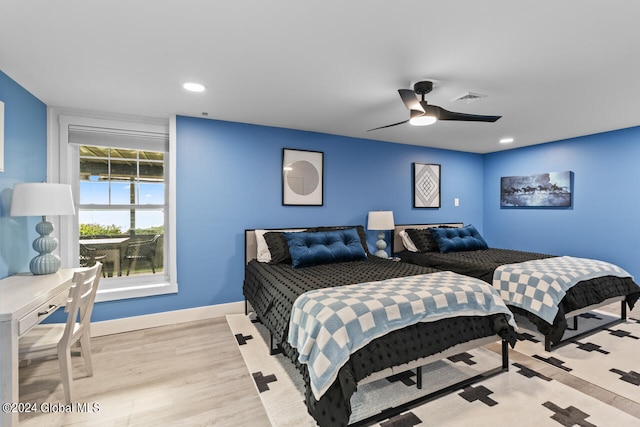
{"points": [[482, 263], [272, 289]]}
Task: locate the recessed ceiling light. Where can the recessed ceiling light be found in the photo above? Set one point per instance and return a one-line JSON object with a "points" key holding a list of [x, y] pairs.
{"points": [[193, 87], [506, 140]]}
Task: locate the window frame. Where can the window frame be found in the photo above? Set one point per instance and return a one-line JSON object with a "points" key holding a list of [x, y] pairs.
{"points": [[64, 167]]}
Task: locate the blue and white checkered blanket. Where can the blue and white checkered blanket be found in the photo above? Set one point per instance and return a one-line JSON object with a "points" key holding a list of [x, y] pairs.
{"points": [[539, 285], [327, 325]]}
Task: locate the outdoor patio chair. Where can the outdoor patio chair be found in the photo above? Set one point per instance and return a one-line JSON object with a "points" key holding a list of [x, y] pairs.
{"points": [[89, 256], [144, 250]]}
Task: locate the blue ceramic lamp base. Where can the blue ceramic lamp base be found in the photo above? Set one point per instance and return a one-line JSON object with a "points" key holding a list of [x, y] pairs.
{"points": [[380, 246], [45, 262]]}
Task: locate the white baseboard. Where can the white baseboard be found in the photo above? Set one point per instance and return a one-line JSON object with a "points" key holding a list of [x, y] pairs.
{"points": [[127, 324]]}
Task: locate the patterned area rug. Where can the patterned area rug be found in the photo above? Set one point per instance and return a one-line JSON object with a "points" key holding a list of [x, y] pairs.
{"points": [[519, 397], [608, 358]]}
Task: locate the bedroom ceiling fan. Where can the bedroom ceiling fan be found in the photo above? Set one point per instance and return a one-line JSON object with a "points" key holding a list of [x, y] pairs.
{"points": [[422, 114]]}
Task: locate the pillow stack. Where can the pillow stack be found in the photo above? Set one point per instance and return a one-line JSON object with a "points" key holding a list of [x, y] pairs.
{"points": [[444, 239], [312, 246]]}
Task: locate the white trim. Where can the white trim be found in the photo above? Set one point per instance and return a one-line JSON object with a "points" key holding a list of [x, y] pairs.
{"points": [[61, 168], [1, 136], [57, 165], [170, 225], [135, 290], [128, 324]]}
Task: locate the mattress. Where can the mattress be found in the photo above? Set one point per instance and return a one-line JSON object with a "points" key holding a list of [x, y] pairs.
{"points": [[479, 264], [482, 263], [272, 289]]}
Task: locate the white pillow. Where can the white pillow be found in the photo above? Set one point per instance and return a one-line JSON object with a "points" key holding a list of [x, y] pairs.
{"points": [[407, 242], [263, 249]]}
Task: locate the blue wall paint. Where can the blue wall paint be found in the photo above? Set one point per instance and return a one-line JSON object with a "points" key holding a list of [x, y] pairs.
{"points": [[25, 160], [229, 179], [603, 221]]}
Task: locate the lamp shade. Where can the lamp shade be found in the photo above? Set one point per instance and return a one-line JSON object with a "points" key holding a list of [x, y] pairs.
{"points": [[380, 220], [41, 199]]}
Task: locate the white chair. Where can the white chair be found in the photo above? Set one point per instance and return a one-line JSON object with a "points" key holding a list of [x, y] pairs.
{"points": [[57, 338]]}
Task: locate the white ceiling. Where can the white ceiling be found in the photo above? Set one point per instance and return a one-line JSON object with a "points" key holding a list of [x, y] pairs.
{"points": [[553, 69]]}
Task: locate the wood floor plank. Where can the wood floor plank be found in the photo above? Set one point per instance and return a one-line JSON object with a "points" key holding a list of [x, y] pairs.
{"points": [[184, 374]]}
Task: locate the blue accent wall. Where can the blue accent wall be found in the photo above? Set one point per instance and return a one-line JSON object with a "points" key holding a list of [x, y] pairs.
{"points": [[25, 160], [229, 179], [603, 220]]}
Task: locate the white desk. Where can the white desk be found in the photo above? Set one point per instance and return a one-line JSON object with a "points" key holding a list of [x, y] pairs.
{"points": [[25, 301]]}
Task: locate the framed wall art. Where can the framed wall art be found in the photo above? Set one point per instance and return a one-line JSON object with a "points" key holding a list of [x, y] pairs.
{"points": [[547, 190], [426, 185], [302, 177]]}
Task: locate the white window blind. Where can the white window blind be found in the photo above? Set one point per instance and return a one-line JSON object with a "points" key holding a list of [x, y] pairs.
{"points": [[121, 138]]}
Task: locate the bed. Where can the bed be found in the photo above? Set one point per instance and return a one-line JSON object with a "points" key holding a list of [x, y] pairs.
{"points": [[274, 286], [416, 244]]}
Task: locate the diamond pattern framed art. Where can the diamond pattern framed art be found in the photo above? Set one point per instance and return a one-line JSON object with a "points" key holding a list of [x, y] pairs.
{"points": [[426, 185]]}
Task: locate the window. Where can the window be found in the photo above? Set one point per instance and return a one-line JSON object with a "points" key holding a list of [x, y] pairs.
{"points": [[121, 210], [120, 173]]}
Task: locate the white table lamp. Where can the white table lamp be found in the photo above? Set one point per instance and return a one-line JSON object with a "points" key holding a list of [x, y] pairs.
{"points": [[381, 221], [42, 199]]}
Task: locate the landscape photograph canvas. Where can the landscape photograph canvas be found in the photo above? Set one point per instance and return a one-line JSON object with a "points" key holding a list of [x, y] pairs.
{"points": [[551, 189]]}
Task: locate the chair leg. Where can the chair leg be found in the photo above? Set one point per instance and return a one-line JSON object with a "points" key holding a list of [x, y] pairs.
{"points": [[85, 345], [64, 357]]}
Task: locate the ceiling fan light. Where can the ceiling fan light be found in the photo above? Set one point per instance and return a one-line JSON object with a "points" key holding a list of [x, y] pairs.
{"points": [[418, 118], [423, 121], [193, 87]]}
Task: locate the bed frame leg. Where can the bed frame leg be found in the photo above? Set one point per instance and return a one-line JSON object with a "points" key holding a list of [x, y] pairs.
{"points": [[623, 317], [575, 324], [273, 351], [505, 355], [385, 414], [246, 307]]}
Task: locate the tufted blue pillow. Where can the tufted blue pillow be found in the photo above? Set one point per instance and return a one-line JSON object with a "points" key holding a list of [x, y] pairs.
{"points": [[324, 247], [458, 239]]}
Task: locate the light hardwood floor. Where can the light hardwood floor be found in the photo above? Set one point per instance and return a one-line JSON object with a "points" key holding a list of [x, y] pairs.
{"points": [[186, 374]]}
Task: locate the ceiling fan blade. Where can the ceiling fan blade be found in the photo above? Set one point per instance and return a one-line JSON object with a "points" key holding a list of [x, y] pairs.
{"points": [[410, 100], [450, 115], [388, 126]]}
